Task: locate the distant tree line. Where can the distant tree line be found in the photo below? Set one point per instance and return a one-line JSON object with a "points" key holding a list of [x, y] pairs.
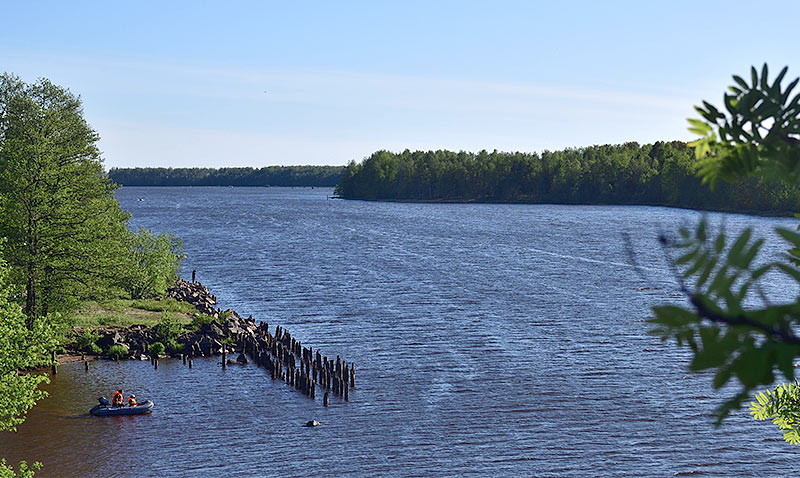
{"points": [[660, 174], [321, 176]]}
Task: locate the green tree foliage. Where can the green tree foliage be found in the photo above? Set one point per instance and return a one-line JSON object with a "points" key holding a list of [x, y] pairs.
{"points": [[782, 407], [23, 470], [660, 174], [319, 176], [154, 264], [759, 136], [66, 232], [21, 348]]}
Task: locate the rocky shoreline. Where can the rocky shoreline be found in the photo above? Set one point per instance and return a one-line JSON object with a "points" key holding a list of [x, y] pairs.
{"points": [[205, 341], [227, 332]]}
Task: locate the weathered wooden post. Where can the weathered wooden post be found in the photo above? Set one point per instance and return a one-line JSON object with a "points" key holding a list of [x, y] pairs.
{"points": [[346, 396], [224, 357], [352, 375], [156, 361], [190, 363], [194, 274], [325, 399], [55, 362], [86, 365], [183, 356]]}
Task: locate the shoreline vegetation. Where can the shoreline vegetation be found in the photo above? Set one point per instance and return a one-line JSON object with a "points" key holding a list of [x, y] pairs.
{"points": [[658, 174], [207, 331], [278, 176]]}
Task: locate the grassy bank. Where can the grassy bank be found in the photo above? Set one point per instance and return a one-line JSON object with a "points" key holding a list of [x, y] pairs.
{"points": [[127, 312]]}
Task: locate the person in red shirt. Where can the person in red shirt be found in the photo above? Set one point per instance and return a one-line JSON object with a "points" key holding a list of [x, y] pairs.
{"points": [[132, 400], [117, 400]]}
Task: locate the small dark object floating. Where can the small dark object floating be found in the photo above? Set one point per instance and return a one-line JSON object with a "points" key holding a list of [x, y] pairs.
{"points": [[312, 423], [106, 410]]}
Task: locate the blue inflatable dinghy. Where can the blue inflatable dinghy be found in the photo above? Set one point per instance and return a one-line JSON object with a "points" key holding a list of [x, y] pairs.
{"points": [[106, 410]]}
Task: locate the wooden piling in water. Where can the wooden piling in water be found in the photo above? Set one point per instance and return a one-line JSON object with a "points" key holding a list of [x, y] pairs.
{"points": [[86, 364], [190, 363], [325, 399], [55, 362]]}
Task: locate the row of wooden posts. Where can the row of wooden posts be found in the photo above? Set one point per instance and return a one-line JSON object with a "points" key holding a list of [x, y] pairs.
{"points": [[286, 359]]}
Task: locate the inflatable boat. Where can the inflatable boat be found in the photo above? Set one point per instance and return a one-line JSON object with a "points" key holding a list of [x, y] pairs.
{"points": [[107, 410]]}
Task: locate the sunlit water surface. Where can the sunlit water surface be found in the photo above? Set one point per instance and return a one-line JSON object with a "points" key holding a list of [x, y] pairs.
{"points": [[505, 340]]}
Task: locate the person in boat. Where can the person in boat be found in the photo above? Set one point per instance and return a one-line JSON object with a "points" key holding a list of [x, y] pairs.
{"points": [[132, 400], [117, 400]]}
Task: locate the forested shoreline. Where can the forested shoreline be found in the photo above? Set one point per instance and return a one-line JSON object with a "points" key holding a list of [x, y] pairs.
{"points": [[64, 241], [659, 174], [317, 176]]}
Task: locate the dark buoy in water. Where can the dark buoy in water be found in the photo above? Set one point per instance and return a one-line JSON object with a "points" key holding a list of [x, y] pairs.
{"points": [[312, 423]]}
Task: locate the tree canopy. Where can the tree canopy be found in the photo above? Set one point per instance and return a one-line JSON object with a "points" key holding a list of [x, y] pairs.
{"points": [[154, 264], [660, 174], [66, 232]]}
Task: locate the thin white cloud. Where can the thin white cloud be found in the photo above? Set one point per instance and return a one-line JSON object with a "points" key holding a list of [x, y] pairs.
{"points": [[151, 114]]}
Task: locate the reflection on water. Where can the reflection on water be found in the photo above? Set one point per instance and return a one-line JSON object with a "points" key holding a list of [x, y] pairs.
{"points": [[504, 339]]}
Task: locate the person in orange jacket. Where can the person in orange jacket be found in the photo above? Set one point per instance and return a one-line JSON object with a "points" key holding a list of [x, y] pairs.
{"points": [[117, 400], [132, 400]]}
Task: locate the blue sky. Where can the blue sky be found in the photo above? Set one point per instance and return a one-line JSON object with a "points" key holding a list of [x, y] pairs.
{"points": [[242, 83]]}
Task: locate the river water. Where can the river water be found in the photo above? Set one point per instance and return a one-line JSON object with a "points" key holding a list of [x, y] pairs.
{"points": [[488, 339]]}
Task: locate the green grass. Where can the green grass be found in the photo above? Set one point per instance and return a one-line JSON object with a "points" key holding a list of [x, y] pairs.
{"points": [[163, 305], [127, 312]]}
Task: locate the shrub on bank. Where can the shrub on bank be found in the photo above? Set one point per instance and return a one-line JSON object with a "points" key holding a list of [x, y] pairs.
{"points": [[156, 348], [86, 340], [200, 320], [174, 347], [168, 329], [118, 351]]}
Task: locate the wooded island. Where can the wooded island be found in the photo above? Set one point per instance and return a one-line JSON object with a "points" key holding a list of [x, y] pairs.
{"points": [[659, 174]]}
